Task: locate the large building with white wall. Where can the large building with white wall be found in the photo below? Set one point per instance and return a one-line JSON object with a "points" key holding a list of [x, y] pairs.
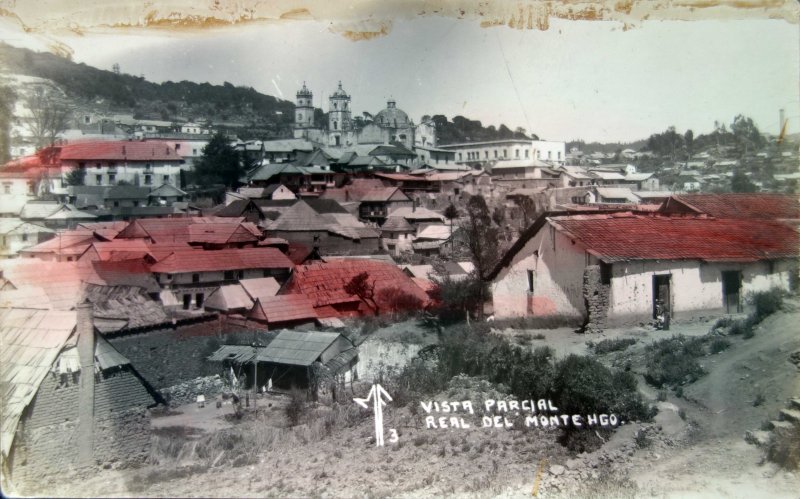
{"points": [[479, 154], [618, 268]]}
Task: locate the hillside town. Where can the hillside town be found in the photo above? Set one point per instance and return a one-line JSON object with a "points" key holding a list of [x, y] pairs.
{"points": [[215, 283]]}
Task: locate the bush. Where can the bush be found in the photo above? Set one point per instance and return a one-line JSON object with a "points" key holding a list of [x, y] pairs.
{"points": [[767, 303], [718, 345], [611, 345], [672, 361], [296, 406], [741, 326]]}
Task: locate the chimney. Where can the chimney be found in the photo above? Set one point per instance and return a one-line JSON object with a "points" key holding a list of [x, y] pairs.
{"points": [[86, 347]]}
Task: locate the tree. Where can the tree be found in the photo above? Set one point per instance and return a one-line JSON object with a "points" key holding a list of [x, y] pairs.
{"points": [[454, 297], [220, 164], [50, 115], [528, 207], [740, 183], [746, 135], [688, 140], [359, 286], [482, 241], [7, 99], [76, 176]]}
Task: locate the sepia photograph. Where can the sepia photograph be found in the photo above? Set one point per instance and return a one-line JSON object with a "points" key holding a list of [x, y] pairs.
{"points": [[404, 248]]}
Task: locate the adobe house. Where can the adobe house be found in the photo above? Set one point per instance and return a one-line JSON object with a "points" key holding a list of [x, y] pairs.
{"points": [[55, 416], [617, 267]]}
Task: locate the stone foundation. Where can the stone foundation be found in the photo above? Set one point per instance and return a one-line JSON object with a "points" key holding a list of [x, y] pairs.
{"points": [[596, 298]]}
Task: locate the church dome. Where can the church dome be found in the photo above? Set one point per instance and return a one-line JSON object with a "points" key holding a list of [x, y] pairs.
{"points": [[340, 92], [392, 117]]}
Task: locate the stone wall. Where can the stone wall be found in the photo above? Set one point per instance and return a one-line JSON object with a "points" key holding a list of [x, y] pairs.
{"points": [[596, 295], [170, 356], [46, 442]]}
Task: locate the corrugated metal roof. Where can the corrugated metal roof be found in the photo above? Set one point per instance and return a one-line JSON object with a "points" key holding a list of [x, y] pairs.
{"points": [[297, 348], [234, 353], [30, 341]]}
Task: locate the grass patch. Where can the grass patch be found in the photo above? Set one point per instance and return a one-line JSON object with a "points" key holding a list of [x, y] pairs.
{"points": [[610, 345], [673, 361], [718, 345]]}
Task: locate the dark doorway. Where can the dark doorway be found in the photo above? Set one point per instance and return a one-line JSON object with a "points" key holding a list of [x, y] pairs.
{"points": [[731, 291], [187, 301], [662, 305]]}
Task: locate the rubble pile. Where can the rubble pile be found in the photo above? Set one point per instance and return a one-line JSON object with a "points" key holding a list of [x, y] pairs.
{"points": [[187, 392], [778, 438]]}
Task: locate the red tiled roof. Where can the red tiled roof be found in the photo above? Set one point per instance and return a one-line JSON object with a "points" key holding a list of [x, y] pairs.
{"points": [[225, 259], [119, 150], [178, 230], [624, 236], [222, 233], [741, 206], [324, 282], [283, 308]]}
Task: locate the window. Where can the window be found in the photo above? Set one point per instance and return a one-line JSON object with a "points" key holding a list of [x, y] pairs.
{"points": [[495, 154], [25, 237], [459, 157], [177, 147], [166, 179], [240, 275], [116, 204], [486, 154], [187, 301], [228, 275], [505, 153], [516, 153], [527, 153], [148, 179], [559, 154], [98, 179], [531, 278], [111, 178], [549, 154], [195, 278], [6, 188], [194, 152]]}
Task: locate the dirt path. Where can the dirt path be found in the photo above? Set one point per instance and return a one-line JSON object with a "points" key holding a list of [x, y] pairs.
{"points": [[716, 461]]}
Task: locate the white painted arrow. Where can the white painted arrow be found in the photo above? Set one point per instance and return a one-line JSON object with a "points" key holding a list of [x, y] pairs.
{"points": [[376, 394]]}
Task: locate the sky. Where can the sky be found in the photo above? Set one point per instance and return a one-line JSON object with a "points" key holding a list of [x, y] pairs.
{"points": [[576, 80]]}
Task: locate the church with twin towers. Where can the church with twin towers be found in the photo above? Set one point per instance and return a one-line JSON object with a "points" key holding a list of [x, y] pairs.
{"points": [[390, 125]]}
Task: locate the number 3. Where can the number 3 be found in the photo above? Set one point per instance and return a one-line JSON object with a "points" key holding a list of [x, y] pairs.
{"points": [[393, 435]]}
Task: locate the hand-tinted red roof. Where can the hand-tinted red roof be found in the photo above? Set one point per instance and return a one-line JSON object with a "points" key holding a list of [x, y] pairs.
{"points": [[760, 206], [119, 150], [191, 260], [324, 282], [624, 236]]}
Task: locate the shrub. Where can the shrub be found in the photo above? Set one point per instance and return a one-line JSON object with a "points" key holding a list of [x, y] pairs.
{"points": [[296, 406], [758, 400], [741, 326], [642, 440], [767, 302], [672, 361], [718, 345], [611, 345]]}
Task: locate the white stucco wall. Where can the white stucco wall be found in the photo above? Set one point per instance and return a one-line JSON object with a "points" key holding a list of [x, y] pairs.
{"points": [[695, 287], [558, 282]]}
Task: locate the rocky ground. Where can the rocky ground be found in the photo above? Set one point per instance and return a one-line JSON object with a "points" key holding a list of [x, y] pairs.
{"points": [[695, 447]]}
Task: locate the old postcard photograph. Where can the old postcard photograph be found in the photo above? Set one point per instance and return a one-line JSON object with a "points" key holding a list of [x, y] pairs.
{"points": [[410, 249]]}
